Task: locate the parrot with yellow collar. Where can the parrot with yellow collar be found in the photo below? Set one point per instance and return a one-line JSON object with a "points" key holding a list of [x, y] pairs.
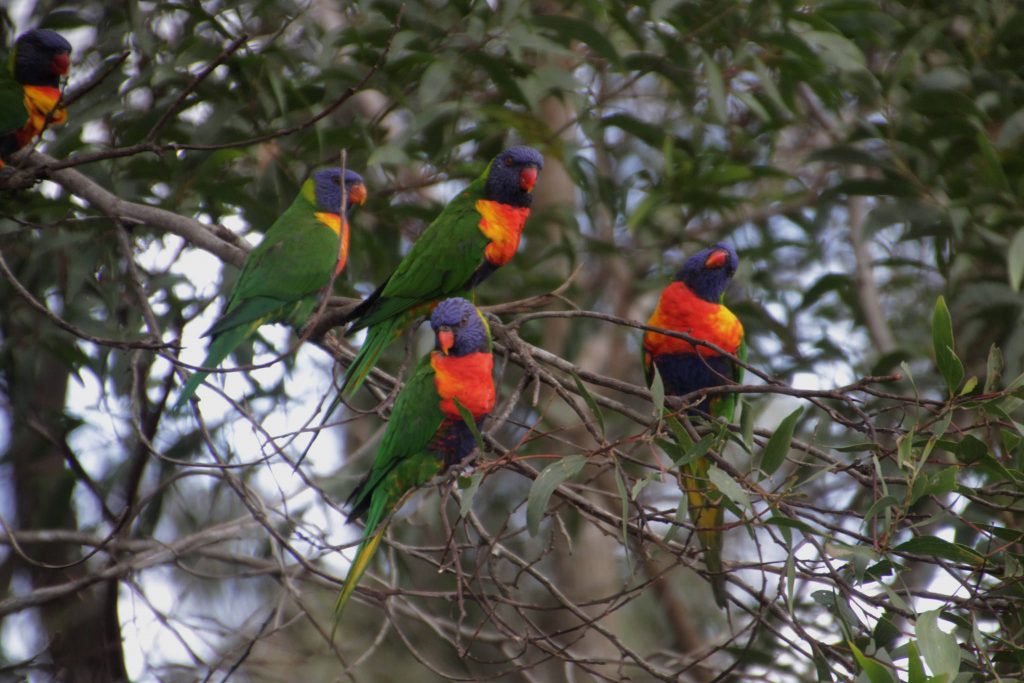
{"points": [[283, 276]]}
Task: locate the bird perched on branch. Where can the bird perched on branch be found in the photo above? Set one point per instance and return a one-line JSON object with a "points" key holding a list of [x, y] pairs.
{"points": [[30, 90], [282, 278], [427, 433], [692, 304], [477, 233]]}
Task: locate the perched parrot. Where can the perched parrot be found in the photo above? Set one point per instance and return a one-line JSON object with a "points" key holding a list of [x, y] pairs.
{"points": [[30, 90], [282, 277], [426, 433], [477, 233], [692, 304]]}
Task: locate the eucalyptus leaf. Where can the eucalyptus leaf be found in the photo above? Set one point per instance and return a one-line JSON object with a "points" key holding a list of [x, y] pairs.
{"points": [[940, 649], [545, 484], [777, 448], [729, 488]]}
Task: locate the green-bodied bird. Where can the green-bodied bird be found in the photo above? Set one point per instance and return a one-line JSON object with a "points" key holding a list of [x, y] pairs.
{"points": [[30, 88], [282, 278], [477, 233], [692, 304], [426, 433]]}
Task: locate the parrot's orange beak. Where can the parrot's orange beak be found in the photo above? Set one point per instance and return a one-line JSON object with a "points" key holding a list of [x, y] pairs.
{"points": [[445, 338], [527, 178], [60, 63], [717, 258], [357, 194]]}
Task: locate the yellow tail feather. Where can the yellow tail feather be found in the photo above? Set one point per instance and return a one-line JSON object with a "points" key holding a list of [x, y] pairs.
{"points": [[707, 516], [355, 572]]}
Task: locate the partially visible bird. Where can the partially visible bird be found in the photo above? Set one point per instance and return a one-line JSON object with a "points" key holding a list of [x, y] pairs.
{"points": [[475, 234], [426, 434], [30, 88], [283, 276], [692, 304]]}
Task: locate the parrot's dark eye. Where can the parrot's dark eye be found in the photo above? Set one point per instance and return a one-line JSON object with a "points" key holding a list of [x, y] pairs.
{"points": [[509, 161]]}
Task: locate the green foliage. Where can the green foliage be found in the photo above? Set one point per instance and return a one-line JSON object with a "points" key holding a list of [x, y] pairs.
{"points": [[945, 355], [777, 448], [940, 649], [544, 486]]}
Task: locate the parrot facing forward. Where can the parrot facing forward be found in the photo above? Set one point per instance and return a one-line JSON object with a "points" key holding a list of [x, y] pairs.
{"points": [[475, 234], [426, 433], [692, 304], [30, 90], [282, 277]]}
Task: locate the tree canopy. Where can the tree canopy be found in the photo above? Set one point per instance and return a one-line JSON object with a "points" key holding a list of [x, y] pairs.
{"points": [[864, 160]]}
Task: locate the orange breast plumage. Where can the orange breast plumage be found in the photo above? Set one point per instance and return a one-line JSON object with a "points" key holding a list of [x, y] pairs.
{"points": [[503, 226], [680, 310], [40, 101], [469, 378], [340, 228]]}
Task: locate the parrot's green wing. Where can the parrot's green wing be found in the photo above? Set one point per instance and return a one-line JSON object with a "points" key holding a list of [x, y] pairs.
{"points": [[403, 463], [441, 262], [295, 259], [280, 282], [724, 405], [414, 421], [13, 113]]}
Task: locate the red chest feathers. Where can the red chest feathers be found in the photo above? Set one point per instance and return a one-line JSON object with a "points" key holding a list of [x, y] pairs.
{"points": [[680, 310], [470, 379], [503, 226], [40, 101]]}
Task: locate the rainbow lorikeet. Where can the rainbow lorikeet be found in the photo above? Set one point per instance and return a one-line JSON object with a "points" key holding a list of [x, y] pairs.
{"points": [[692, 304], [282, 277], [426, 433], [30, 89], [477, 233]]}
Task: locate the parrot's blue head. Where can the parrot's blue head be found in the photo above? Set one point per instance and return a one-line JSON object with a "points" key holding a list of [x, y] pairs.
{"points": [[327, 183], [459, 328], [707, 273], [512, 175], [41, 57]]}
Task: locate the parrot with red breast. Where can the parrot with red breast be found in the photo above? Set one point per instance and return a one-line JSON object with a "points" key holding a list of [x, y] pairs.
{"points": [[692, 304], [427, 432], [30, 88], [475, 234]]}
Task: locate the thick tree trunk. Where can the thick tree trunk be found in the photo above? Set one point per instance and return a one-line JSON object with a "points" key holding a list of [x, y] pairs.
{"points": [[83, 632]]}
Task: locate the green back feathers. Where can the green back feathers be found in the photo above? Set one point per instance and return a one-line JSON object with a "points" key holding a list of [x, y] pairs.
{"points": [[12, 100], [439, 264]]}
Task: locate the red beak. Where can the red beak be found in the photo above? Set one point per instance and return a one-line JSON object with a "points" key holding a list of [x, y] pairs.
{"points": [[357, 194], [527, 177], [445, 339], [717, 259], [60, 63]]}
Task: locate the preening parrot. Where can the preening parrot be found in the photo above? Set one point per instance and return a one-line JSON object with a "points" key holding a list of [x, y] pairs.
{"points": [[475, 234], [426, 433], [283, 276], [30, 88], [692, 304]]}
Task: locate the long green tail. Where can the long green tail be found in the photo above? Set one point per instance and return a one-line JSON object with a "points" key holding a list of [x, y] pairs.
{"points": [[383, 499], [220, 346], [386, 493], [377, 339], [363, 556], [707, 516]]}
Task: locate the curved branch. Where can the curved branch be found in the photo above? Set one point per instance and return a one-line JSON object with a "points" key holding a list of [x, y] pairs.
{"points": [[215, 239]]}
